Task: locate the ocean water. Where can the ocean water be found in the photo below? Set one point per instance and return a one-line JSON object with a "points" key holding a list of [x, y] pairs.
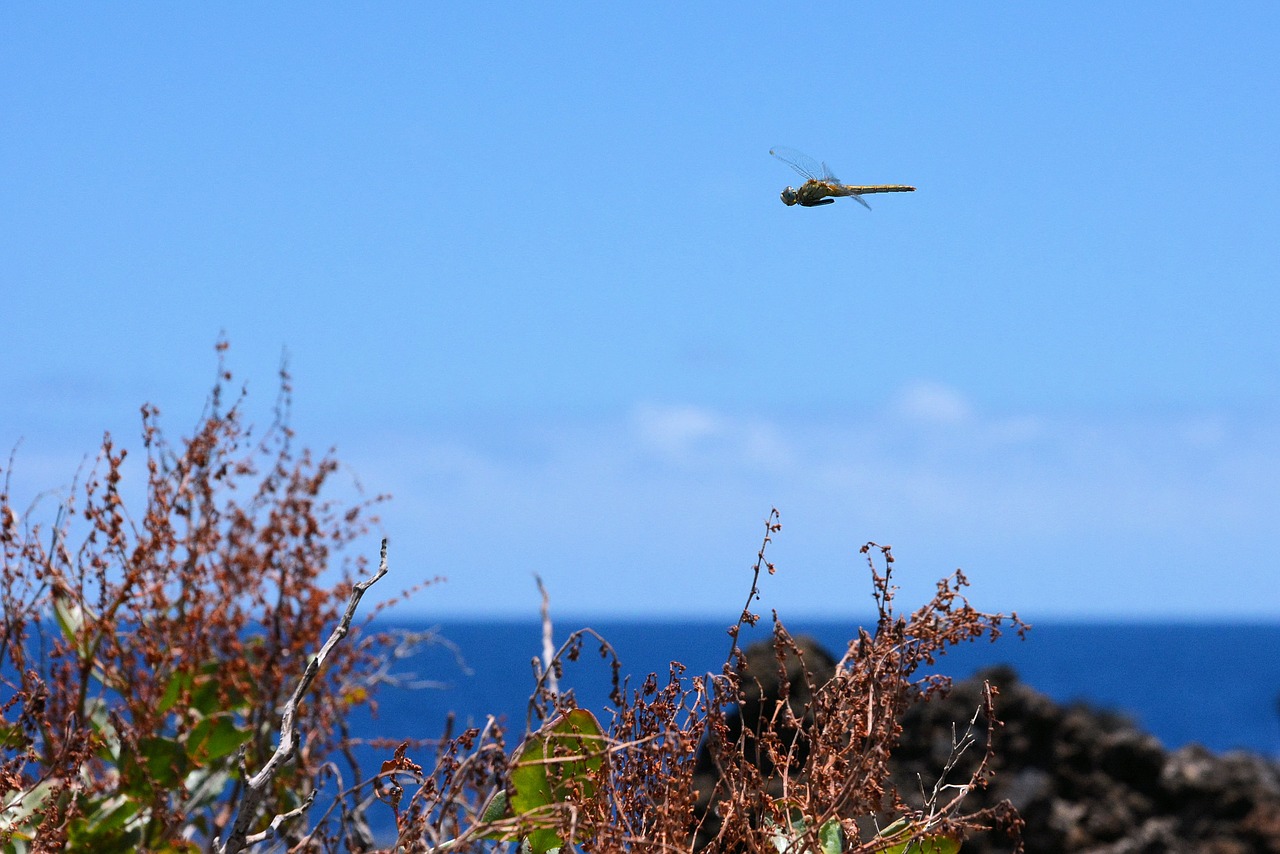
{"points": [[1216, 684]]}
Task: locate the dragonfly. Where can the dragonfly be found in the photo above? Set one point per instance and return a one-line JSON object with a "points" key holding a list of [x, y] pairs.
{"points": [[821, 183]]}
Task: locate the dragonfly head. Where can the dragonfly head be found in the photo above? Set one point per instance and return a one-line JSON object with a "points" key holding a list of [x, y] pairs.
{"points": [[790, 196]]}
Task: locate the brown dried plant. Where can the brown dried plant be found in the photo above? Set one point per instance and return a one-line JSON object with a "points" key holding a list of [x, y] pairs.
{"points": [[717, 763], [147, 653]]}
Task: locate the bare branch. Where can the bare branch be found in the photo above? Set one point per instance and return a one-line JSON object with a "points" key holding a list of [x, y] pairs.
{"points": [[256, 788], [274, 827], [548, 647]]}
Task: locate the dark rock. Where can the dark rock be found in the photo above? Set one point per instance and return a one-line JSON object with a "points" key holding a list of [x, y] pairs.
{"points": [[761, 689], [1089, 781]]}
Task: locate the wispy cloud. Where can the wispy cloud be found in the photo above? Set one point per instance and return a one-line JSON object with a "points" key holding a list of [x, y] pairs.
{"points": [[658, 508], [932, 403]]}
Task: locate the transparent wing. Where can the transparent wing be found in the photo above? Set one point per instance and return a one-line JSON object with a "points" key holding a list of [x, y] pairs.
{"points": [[860, 201], [804, 164]]}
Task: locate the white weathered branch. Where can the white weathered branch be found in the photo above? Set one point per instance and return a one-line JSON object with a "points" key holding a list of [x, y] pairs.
{"points": [[256, 787], [274, 827], [548, 647]]}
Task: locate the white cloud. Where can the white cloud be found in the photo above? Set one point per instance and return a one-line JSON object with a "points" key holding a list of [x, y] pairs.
{"points": [[692, 436], [934, 403], [673, 430], [659, 508]]}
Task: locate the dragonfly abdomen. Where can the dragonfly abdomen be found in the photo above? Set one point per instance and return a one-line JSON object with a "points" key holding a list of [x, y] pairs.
{"points": [[879, 188]]}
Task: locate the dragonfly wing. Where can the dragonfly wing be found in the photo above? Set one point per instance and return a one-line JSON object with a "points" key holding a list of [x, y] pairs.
{"points": [[857, 198], [802, 163]]}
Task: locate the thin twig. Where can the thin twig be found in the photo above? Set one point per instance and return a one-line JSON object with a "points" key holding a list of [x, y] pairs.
{"points": [[772, 524]]}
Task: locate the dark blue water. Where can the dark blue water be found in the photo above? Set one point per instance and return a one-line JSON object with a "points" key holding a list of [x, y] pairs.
{"points": [[1218, 685]]}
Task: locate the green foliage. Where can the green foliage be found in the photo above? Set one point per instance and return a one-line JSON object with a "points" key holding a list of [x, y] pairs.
{"points": [[794, 837], [791, 837], [558, 765], [198, 759]]}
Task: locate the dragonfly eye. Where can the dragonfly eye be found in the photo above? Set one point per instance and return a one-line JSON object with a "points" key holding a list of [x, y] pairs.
{"points": [[789, 196]]}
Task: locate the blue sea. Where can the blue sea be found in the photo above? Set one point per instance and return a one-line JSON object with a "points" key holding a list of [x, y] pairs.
{"points": [[1215, 684]]}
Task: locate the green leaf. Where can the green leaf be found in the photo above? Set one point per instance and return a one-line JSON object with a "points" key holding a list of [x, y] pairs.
{"points": [[936, 844], [98, 715], [13, 738], [77, 624], [208, 696], [71, 620], [21, 816], [216, 737], [166, 762], [204, 787], [831, 837], [173, 689], [498, 809], [104, 841], [112, 814], [558, 761]]}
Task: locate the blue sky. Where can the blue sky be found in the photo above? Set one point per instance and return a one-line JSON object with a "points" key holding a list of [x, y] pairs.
{"points": [[535, 280]]}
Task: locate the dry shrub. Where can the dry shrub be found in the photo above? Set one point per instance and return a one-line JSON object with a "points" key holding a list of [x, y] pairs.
{"points": [[147, 650], [722, 763]]}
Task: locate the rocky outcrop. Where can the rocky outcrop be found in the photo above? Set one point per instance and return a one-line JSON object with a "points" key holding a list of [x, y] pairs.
{"points": [[761, 686], [1088, 781]]}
